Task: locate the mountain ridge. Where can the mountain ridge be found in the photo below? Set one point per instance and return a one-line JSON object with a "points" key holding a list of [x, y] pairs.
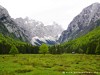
{"points": [[82, 23], [8, 25], [37, 29]]}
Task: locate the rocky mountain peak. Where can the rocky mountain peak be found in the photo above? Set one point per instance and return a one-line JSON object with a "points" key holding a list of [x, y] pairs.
{"points": [[82, 23], [96, 4], [36, 30], [7, 24], [4, 14]]}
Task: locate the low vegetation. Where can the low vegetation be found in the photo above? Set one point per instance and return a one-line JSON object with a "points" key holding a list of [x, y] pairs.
{"points": [[38, 64]]}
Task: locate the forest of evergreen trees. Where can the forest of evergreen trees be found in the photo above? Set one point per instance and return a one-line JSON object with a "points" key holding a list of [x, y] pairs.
{"points": [[6, 43]]}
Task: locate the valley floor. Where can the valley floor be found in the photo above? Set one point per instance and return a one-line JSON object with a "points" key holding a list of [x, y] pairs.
{"points": [[38, 64]]}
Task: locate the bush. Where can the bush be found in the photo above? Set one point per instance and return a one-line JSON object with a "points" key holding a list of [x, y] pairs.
{"points": [[25, 69], [43, 49], [59, 68]]}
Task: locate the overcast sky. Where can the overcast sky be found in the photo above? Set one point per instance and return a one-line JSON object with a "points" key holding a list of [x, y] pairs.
{"points": [[47, 11]]}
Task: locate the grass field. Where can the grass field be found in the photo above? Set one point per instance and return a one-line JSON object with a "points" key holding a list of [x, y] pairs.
{"points": [[38, 64]]}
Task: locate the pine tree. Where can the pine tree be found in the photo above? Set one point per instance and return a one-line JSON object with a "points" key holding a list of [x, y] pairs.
{"points": [[87, 51], [13, 50], [97, 51]]}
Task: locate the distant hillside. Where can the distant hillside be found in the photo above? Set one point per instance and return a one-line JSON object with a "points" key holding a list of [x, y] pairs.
{"points": [[89, 43]]}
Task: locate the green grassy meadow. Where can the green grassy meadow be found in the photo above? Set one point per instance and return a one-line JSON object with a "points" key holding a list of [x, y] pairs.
{"points": [[39, 64]]}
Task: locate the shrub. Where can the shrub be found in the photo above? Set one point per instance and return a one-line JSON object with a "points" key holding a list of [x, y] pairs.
{"points": [[59, 68], [25, 69], [43, 49]]}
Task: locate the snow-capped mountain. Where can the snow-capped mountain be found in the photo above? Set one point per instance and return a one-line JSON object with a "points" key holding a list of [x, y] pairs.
{"points": [[8, 27], [82, 23], [37, 32]]}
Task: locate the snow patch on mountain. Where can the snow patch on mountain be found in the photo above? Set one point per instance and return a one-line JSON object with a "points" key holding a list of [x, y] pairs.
{"points": [[44, 39]]}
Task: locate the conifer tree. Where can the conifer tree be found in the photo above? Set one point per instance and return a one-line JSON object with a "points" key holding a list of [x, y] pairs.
{"points": [[13, 50], [97, 51]]}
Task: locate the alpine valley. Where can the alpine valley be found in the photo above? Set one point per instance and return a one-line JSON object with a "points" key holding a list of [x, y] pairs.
{"points": [[35, 32], [28, 47]]}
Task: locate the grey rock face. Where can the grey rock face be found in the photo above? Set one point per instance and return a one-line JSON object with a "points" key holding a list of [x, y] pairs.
{"points": [[6, 23], [35, 30], [82, 23], [27, 29]]}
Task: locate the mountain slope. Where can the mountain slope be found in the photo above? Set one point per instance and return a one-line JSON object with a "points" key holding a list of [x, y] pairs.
{"points": [[9, 27], [88, 43], [7, 42], [82, 23]]}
